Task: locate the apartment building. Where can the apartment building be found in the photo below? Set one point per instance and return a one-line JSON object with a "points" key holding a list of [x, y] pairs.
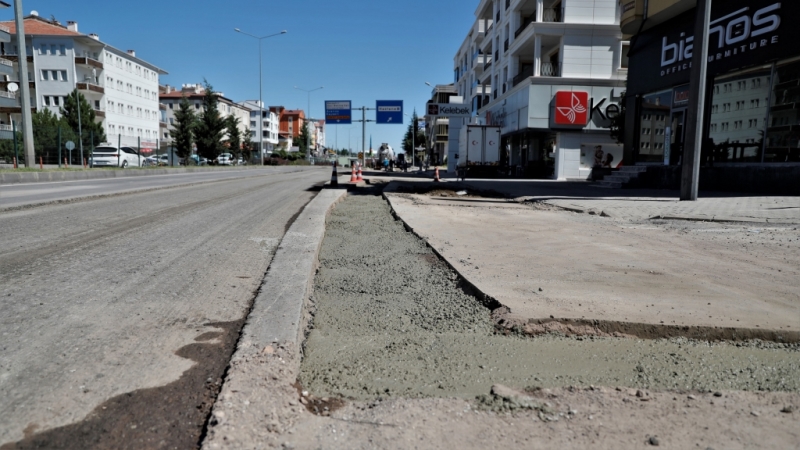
{"points": [[8, 99], [171, 97], [269, 125], [549, 73], [122, 88], [753, 103], [437, 127]]}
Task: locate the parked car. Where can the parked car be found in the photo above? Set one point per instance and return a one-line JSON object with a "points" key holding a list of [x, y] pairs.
{"points": [[225, 159], [150, 161], [241, 162], [198, 161], [108, 156]]}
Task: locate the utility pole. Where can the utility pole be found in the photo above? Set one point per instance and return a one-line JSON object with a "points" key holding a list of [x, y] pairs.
{"points": [[690, 171], [364, 121], [25, 88]]}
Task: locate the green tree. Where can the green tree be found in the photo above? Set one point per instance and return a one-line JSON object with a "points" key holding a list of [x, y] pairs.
{"points": [[211, 126], [183, 129], [92, 133], [247, 145], [234, 135], [413, 139], [46, 126], [304, 140]]}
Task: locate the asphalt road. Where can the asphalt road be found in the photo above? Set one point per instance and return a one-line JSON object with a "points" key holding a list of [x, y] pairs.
{"points": [[120, 312], [16, 195]]}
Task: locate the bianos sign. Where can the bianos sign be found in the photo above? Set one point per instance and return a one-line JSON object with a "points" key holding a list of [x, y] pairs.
{"points": [[572, 108]]}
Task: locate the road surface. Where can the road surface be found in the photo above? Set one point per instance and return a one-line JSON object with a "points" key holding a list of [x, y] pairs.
{"points": [[120, 312]]}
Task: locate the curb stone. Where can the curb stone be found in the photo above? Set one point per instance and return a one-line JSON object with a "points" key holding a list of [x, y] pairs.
{"points": [[251, 406]]}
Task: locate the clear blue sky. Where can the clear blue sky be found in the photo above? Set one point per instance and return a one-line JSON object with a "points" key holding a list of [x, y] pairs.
{"points": [[360, 50]]}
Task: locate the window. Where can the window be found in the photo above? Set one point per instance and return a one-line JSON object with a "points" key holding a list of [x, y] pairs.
{"points": [[170, 105], [623, 56], [45, 75], [46, 99], [52, 49], [63, 50]]}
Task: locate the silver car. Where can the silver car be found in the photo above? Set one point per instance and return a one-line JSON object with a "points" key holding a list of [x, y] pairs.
{"points": [[225, 159]]}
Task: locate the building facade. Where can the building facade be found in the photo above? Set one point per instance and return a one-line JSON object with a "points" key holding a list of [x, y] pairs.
{"points": [[437, 127], [122, 89], [752, 109], [171, 99], [549, 73], [269, 125]]}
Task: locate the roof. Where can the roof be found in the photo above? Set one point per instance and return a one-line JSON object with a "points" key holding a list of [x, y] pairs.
{"points": [[178, 94], [35, 25]]}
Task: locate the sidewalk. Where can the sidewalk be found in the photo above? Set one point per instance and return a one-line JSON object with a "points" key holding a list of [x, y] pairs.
{"points": [[613, 264]]}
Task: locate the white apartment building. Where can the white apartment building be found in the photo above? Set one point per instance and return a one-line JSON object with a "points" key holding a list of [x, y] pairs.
{"points": [[270, 125], [549, 73], [122, 89]]}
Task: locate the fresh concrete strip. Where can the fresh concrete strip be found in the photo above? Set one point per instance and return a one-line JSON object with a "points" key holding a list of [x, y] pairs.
{"points": [[259, 381]]}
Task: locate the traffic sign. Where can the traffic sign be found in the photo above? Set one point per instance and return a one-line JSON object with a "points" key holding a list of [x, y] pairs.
{"points": [[389, 112], [70, 145], [360, 155], [338, 112]]}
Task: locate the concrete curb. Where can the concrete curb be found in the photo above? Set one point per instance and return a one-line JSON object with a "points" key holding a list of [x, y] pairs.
{"points": [[277, 311], [100, 174], [251, 408]]}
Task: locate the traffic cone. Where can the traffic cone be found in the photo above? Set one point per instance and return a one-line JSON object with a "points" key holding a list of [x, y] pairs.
{"points": [[353, 177], [358, 176], [436, 176], [334, 176]]}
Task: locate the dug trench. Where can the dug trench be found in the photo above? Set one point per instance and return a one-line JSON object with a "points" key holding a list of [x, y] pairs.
{"points": [[390, 319]]}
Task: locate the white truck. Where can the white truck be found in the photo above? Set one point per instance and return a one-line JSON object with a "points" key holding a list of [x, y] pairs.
{"points": [[479, 150]]}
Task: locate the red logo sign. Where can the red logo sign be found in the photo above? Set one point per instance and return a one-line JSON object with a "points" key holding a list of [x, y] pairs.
{"points": [[572, 108]]}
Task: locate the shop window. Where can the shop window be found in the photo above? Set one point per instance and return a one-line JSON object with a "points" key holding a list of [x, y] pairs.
{"points": [[655, 109], [731, 141], [783, 134]]}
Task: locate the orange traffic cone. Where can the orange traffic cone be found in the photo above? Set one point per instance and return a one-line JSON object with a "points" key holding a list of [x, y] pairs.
{"points": [[334, 176], [436, 176], [358, 174], [353, 177]]}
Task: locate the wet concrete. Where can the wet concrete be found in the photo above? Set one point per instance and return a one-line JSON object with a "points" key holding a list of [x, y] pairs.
{"points": [[390, 319]]}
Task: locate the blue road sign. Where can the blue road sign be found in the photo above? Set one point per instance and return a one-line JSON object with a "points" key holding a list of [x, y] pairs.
{"points": [[389, 112], [338, 112]]}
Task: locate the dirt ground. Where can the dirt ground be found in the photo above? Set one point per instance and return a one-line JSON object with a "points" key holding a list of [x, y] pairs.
{"points": [[418, 367], [542, 262]]}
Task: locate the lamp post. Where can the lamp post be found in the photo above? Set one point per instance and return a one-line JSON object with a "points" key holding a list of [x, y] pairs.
{"points": [[309, 91], [260, 99]]}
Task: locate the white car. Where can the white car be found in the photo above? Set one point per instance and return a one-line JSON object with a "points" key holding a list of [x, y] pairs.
{"points": [[225, 159], [107, 156]]}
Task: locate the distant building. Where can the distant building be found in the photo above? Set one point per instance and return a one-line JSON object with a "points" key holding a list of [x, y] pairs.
{"points": [[437, 128], [122, 88], [171, 99], [269, 125]]}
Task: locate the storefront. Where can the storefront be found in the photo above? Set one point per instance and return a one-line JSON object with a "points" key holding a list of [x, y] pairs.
{"points": [[554, 131], [752, 102]]}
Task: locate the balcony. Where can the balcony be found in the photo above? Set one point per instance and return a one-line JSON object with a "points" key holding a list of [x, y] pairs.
{"points": [[551, 15], [525, 23], [99, 113], [86, 61], [551, 69], [6, 62], [526, 73], [90, 87]]}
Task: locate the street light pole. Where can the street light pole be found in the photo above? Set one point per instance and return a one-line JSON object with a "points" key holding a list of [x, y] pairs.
{"points": [[309, 91], [260, 90]]}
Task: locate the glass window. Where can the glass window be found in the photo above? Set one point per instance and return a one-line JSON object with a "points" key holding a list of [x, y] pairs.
{"points": [[732, 141], [46, 100], [45, 75], [654, 113], [783, 131]]}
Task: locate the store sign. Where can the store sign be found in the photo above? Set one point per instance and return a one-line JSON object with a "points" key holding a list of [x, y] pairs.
{"points": [[742, 33], [572, 108]]}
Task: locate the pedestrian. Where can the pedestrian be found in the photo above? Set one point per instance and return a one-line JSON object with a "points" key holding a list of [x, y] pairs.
{"points": [[386, 164]]}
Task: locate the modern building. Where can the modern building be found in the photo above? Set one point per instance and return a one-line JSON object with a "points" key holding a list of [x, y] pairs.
{"points": [[753, 100], [8, 99], [122, 88], [171, 99], [269, 125], [437, 127], [549, 73]]}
